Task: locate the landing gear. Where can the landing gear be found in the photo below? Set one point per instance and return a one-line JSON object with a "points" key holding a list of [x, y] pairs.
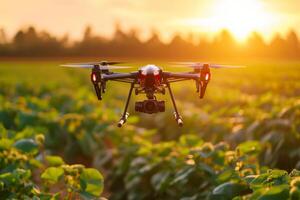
{"points": [[178, 118], [125, 113]]}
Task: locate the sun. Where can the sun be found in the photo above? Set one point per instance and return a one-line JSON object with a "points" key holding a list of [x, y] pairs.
{"points": [[240, 17]]}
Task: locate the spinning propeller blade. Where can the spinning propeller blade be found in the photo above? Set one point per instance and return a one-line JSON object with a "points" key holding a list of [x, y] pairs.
{"points": [[77, 65], [103, 63], [92, 65], [198, 65], [225, 66]]}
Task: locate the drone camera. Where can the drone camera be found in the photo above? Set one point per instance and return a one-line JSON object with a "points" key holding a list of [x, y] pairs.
{"points": [[150, 106]]}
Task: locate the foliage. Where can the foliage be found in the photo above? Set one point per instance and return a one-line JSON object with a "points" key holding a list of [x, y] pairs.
{"points": [[170, 170], [251, 120], [25, 173]]}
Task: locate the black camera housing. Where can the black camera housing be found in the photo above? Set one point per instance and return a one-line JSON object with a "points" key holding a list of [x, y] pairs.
{"points": [[150, 106]]}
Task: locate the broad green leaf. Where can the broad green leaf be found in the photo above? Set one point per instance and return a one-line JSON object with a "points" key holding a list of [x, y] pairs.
{"points": [[250, 178], [272, 177], [5, 143], [55, 161], [224, 176], [52, 174], [273, 193], [250, 147], [206, 168], [35, 163], [229, 190], [182, 175], [161, 180], [278, 177], [91, 182], [27, 146]]}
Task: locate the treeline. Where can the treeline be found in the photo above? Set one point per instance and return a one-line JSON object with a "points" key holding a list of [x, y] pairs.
{"points": [[32, 43]]}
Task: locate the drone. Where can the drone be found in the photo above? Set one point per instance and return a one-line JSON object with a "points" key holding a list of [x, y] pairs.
{"points": [[149, 80]]}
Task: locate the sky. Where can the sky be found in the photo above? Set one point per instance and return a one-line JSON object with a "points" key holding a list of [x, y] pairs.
{"points": [[241, 17]]}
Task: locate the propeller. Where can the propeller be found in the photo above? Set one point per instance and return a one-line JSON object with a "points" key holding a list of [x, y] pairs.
{"points": [[198, 65], [103, 65], [92, 66]]}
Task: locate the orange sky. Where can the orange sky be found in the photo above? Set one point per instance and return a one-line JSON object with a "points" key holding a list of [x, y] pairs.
{"points": [[168, 16]]}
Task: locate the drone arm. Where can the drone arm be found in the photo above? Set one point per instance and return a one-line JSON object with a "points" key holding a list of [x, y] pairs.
{"points": [[181, 75], [201, 79], [118, 76], [174, 80]]}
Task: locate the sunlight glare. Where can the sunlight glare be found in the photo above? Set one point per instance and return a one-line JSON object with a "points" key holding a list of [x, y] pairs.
{"points": [[240, 17]]}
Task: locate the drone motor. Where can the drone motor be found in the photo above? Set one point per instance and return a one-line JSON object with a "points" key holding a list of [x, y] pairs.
{"points": [[204, 79], [96, 80]]}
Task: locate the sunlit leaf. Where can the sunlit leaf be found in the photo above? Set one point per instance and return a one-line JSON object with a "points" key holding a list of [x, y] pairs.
{"points": [[52, 174], [271, 178], [91, 182], [249, 147], [5, 143], [55, 161], [273, 193]]}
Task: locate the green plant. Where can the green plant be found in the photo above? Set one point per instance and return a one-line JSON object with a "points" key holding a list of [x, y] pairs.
{"points": [[26, 173]]}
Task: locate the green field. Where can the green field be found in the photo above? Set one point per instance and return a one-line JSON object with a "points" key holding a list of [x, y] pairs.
{"points": [[247, 124]]}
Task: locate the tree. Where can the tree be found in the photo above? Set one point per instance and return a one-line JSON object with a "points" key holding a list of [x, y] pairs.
{"points": [[3, 39], [292, 45], [277, 47], [224, 45], [256, 45], [87, 33]]}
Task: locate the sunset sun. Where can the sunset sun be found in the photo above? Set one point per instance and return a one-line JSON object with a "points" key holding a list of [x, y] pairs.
{"points": [[239, 17]]}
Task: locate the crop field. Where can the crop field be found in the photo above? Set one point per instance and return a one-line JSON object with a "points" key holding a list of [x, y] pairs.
{"points": [[241, 141]]}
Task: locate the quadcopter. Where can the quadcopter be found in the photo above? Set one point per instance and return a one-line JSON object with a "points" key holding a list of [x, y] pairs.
{"points": [[149, 80]]}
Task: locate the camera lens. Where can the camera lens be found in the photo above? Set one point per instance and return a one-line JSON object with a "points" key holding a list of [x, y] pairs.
{"points": [[150, 106]]}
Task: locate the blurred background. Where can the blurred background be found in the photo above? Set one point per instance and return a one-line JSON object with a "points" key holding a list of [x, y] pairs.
{"points": [[258, 103], [148, 29]]}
